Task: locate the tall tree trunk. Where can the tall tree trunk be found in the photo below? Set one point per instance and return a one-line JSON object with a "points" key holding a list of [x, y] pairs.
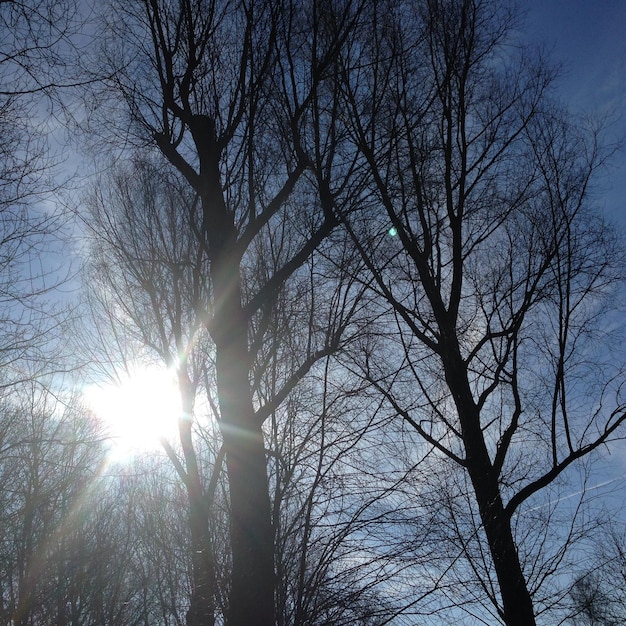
{"points": [[517, 604], [252, 590], [251, 533]]}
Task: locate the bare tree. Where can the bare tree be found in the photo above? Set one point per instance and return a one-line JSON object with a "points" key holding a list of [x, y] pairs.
{"points": [[329, 569], [229, 92], [84, 542], [36, 47], [592, 606], [479, 236], [148, 283], [146, 279], [597, 592], [50, 455], [162, 563]]}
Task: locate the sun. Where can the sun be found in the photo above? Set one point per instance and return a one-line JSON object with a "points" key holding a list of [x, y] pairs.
{"points": [[138, 411]]}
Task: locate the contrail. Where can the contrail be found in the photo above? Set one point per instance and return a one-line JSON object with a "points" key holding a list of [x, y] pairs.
{"points": [[578, 493]]}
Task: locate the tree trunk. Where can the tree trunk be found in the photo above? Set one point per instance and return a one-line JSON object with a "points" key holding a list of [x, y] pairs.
{"points": [[252, 591], [517, 604], [202, 606], [251, 533]]}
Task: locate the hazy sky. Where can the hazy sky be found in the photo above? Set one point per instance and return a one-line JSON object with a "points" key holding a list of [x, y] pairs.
{"points": [[589, 38]]}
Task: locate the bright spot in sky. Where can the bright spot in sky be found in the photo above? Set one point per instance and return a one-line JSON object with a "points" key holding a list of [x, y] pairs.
{"points": [[393, 231], [138, 411]]}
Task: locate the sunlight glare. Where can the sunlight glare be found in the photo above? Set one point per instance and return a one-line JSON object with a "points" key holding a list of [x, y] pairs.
{"points": [[139, 410]]}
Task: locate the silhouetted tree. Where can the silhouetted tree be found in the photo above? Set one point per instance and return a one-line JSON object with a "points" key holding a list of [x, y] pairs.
{"points": [[238, 98], [479, 235]]}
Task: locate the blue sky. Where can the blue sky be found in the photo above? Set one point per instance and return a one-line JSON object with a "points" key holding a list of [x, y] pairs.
{"points": [[589, 38]]}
